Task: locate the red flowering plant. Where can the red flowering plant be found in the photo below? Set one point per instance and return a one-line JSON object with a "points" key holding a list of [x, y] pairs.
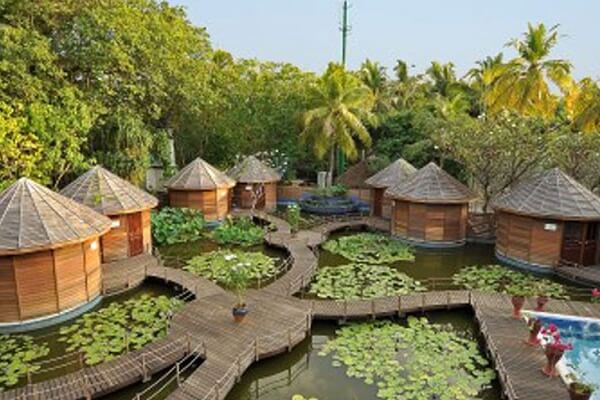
{"points": [[551, 339], [596, 295]]}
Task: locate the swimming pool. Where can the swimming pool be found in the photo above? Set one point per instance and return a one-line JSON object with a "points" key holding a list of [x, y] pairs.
{"points": [[584, 335]]}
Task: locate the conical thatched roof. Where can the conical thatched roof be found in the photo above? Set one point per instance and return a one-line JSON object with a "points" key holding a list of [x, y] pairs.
{"points": [[199, 175], [107, 193], [550, 194], [252, 170], [431, 184], [33, 217], [356, 175], [394, 174]]}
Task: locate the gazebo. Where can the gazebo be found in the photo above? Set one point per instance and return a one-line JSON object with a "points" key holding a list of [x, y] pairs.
{"points": [[256, 182], [201, 186], [49, 256], [126, 205], [548, 220], [430, 208], [394, 174]]}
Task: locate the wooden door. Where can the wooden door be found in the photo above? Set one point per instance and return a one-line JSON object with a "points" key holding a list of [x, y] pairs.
{"points": [[572, 244], [135, 234], [377, 202], [590, 244]]}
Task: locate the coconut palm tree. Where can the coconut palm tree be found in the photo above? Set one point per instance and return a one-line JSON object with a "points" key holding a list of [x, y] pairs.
{"points": [[483, 77], [443, 77], [523, 84], [342, 103], [373, 75]]}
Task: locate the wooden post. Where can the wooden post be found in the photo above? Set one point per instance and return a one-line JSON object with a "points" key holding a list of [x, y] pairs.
{"points": [[145, 377], [345, 309], [447, 299], [422, 302], [178, 372], [28, 377]]}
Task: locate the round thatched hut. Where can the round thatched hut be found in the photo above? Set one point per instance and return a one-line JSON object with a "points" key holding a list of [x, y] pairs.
{"points": [[547, 220], [256, 183], [126, 205], [49, 255], [392, 175], [201, 186], [430, 208]]}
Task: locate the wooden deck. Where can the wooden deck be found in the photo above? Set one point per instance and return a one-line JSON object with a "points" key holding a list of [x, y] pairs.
{"points": [[277, 322], [588, 276]]}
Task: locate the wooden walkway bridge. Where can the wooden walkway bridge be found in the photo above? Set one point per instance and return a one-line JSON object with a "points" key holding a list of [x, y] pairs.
{"points": [[277, 322]]}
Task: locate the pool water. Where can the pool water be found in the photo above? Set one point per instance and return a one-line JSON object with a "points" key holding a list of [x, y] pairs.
{"points": [[584, 335]]}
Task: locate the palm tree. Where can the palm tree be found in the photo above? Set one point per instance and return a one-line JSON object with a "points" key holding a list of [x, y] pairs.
{"points": [[342, 103], [443, 77], [373, 75], [401, 71], [483, 77], [523, 84], [584, 106]]}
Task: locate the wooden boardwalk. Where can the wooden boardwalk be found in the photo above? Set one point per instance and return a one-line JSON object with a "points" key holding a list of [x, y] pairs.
{"points": [[587, 276], [277, 322]]}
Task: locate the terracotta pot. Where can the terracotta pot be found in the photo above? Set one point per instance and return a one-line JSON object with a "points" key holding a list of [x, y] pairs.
{"points": [[553, 356], [534, 330], [517, 302], [578, 396], [541, 303], [239, 313]]}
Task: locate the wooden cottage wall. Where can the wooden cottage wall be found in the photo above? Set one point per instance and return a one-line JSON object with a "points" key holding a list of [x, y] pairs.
{"points": [[204, 200], [271, 196], [526, 239], [377, 201], [223, 203], [242, 197], [9, 301], [417, 218], [399, 223], [147, 230], [115, 244], [430, 222], [46, 282]]}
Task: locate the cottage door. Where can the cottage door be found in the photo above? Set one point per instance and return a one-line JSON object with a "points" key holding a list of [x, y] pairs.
{"points": [[572, 245], [590, 244], [135, 234]]}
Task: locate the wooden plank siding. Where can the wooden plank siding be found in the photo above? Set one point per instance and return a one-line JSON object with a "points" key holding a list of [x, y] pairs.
{"points": [[526, 239], [242, 197], [429, 222], [47, 282], [114, 242], [215, 204]]}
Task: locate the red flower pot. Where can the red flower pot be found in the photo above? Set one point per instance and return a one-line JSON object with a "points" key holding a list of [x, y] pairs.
{"points": [[239, 313], [575, 395], [517, 302], [534, 330], [541, 303], [553, 356]]}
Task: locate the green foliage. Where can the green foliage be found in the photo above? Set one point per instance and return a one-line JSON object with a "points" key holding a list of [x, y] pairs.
{"points": [[18, 354], [293, 216], [239, 231], [419, 361], [500, 279], [300, 397], [176, 225], [217, 265], [331, 191], [105, 334], [370, 248], [362, 281]]}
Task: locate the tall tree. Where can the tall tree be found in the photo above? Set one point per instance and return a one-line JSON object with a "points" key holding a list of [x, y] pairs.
{"points": [[341, 104], [523, 85], [483, 77], [373, 75], [443, 77]]}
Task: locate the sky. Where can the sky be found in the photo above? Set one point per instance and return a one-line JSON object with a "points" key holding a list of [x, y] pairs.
{"points": [[306, 32]]}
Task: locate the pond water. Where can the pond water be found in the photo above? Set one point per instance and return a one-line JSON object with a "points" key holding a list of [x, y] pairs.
{"points": [[303, 371]]}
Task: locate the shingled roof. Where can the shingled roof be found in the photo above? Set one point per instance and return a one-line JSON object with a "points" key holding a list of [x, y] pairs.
{"points": [[252, 170], [550, 194], [107, 193], [33, 217], [431, 184], [356, 175], [395, 173], [199, 175]]}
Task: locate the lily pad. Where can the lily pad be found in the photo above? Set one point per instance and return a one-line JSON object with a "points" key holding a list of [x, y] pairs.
{"points": [[370, 248], [18, 354]]}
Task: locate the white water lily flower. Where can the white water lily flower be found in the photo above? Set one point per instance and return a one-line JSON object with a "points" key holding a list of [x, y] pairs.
{"points": [[230, 257]]}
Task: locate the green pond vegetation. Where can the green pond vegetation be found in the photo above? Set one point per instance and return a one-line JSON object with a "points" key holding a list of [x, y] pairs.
{"points": [[105, 334], [419, 361], [500, 279], [239, 231], [18, 354], [218, 264], [176, 225], [370, 248], [362, 281]]}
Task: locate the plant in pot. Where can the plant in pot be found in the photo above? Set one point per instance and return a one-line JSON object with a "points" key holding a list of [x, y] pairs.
{"points": [[554, 348], [293, 217], [518, 292], [238, 279], [579, 389], [596, 296], [535, 326]]}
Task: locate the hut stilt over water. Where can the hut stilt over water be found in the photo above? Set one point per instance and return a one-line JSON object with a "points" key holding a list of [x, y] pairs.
{"points": [[126, 205], [49, 256], [430, 208], [548, 220], [256, 184], [394, 174], [201, 186]]}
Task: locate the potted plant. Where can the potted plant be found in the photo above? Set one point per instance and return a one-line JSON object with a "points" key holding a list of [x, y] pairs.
{"points": [[554, 349], [542, 296], [578, 388], [237, 279], [293, 217], [518, 293], [596, 296], [535, 326]]}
